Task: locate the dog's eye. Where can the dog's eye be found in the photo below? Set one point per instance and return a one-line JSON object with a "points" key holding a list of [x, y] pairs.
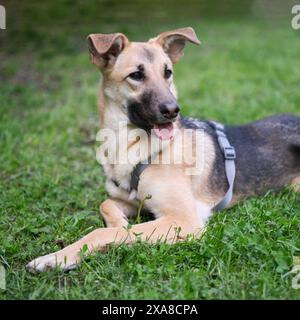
{"points": [[168, 73], [137, 76]]}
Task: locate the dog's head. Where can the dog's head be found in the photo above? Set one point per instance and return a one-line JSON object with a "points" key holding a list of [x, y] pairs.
{"points": [[138, 76]]}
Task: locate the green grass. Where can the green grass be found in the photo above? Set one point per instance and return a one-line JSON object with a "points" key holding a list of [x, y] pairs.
{"points": [[51, 184]]}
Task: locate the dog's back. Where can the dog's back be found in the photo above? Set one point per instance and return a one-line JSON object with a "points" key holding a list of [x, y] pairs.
{"points": [[268, 153]]}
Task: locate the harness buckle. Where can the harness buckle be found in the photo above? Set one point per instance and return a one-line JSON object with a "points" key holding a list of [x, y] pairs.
{"points": [[229, 153]]}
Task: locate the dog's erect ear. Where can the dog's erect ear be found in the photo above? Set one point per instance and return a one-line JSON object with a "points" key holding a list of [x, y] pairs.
{"points": [[105, 48], [173, 42]]}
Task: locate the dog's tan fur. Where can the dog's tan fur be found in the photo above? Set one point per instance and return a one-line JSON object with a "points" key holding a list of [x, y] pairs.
{"points": [[182, 204]]}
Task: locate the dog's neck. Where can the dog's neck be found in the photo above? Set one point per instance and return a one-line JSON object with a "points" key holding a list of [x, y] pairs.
{"points": [[111, 112]]}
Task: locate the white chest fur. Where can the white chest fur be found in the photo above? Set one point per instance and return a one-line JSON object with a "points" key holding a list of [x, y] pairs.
{"points": [[122, 149]]}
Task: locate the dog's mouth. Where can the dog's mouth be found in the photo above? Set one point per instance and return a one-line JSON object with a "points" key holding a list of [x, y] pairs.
{"points": [[164, 131]]}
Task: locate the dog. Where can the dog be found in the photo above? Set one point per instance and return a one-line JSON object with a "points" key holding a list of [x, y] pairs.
{"points": [[137, 90]]}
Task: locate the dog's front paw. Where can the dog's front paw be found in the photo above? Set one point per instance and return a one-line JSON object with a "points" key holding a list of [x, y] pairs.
{"points": [[51, 261]]}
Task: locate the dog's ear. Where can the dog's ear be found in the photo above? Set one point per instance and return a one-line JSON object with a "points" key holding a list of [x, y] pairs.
{"points": [[173, 42], [105, 48]]}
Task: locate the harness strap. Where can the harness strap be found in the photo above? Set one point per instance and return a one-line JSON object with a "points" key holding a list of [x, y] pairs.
{"points": [[136, 174], [229, 156]]}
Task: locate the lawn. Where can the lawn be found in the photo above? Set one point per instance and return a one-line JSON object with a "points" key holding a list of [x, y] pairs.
{"points": [[51, 184]]}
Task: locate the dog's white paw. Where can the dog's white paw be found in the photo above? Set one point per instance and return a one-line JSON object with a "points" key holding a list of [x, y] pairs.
{"points": [[51, 261]]}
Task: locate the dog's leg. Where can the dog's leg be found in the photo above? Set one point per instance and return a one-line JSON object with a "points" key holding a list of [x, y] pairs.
{"points": [[172, 202], [116, 212], [165, 229]]}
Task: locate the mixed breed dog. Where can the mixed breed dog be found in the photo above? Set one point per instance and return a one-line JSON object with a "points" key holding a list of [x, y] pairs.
{"points": [[137, 90]]}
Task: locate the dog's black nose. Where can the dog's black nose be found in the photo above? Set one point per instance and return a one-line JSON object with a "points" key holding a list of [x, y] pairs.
{"points": [[169, 109]]}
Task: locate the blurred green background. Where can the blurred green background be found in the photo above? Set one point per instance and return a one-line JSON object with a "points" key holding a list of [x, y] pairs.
{"points": [[51, 185], [246, 45]]}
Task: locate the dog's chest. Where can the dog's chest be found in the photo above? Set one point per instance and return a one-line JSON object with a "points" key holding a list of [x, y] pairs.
{"points": [[124, 154], [119, 174]]}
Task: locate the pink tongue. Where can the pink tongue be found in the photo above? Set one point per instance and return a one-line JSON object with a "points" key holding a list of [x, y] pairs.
{"points": [[164, 131]]}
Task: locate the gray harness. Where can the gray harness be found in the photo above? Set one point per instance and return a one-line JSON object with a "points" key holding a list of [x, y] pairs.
{"points": [[229, 158]]}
